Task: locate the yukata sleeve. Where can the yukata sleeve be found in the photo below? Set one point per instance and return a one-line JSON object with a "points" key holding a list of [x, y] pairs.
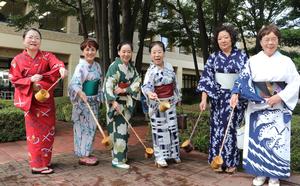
{"points": [[134, 88], [244, 86], [111, 79], [148, 86], [54, 65], [22, 84], [207, 81], [290, 93], [75, 84]]}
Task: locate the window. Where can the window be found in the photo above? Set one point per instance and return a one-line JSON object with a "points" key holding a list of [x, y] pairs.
{"points": [[189, 81], [11, 8], [53, 21], [6, 88]]}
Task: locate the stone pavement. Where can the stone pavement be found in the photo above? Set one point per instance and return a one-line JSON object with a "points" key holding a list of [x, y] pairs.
{"points": [[193, 170]]}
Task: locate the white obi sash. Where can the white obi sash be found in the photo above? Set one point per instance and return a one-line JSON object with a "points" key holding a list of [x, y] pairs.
{"points": [[226, 80]]}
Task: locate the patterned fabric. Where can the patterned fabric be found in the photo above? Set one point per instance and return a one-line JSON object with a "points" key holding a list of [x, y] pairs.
{"points": [[84, 125], [268, 129], [39, 117], [116, 125], [220, 108], [164, 124]]}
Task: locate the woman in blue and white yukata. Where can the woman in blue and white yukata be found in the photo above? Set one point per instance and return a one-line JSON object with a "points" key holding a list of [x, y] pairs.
{"points": [[270, 82], [86, 85], [216, 82], [160, 83]]}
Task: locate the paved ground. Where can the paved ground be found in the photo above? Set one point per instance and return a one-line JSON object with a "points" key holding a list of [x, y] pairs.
{"points": [[193, 170]]}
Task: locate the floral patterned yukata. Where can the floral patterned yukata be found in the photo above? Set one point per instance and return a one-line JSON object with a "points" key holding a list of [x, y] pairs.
{"points": [[84, 124], [220, 107], [118, 73], [39, 117], [164, 124], [268, 129]]}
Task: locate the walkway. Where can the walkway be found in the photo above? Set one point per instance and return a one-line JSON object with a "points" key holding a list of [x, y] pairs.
{"points": [[193, 170]]}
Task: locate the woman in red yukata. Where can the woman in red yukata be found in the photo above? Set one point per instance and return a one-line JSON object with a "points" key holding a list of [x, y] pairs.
{"points": [[31, 71]]}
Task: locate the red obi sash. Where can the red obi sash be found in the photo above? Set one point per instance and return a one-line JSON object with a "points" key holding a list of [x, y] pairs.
{"points": [[123, 85], [164, 91]]}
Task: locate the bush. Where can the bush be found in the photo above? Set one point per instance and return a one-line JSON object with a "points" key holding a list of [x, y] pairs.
{"points": [[6, 103], [295, 144], [63, 111], [12, 125]]}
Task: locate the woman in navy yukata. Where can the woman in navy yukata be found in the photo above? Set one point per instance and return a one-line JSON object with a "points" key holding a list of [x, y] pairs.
{"points": [[216, 82]]}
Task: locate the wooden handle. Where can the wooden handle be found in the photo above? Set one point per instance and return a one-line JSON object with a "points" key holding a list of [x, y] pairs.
{"points": [[54, 83], [96, 120], [224, 139], [133, 130], [195, 126]]}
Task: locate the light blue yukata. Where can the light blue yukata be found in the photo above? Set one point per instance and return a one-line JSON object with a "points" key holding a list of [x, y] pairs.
{"points": [[164, 124], [268, 129], [84, 124], [219, 99]]}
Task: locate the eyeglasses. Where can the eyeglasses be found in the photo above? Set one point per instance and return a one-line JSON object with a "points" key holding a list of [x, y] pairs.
{"points": [[268, 39], [32, 37]]}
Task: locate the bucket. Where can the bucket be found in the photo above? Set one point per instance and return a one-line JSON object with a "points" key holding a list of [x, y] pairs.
{"points": [[187, 146], [107, 143], [217, 162], [164, 105], [149, 152], [42, 95]]}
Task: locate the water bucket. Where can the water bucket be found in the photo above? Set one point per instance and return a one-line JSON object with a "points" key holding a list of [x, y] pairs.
{"points": [[187, 146], [149, 152], [42, 95], [217, 162]]}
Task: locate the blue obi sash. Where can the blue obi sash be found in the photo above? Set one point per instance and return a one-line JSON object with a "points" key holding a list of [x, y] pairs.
{"points": [[90, 87]]}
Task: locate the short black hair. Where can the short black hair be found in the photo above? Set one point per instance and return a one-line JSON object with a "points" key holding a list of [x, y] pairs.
{"points": [[159, 43], [34, 29], [228, 28], [122, 43], [89, 43]]}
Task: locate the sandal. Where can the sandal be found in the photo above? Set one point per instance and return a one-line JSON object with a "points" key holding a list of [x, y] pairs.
{"points": [[218, 170], [43, 171], [88, 161], [230, 170]]}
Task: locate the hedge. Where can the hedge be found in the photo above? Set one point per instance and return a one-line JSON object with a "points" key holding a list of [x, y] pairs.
{"points": [[12, 126]]}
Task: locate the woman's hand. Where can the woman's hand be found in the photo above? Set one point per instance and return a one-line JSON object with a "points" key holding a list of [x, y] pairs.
{"points": [[119, 90], [36, 77], [234, 100], [273, 100], [202, 105], [63, 72], [152, 95], [82, 96], [116, 106]]}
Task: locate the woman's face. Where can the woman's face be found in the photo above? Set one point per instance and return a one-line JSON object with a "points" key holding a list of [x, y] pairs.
{"points": [[224, 41], [125, 53], [269, 44], [89, 53], [157, 55], [32, 40]]}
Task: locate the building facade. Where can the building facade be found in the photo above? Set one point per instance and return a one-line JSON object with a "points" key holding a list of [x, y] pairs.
{"points": [[61, 37]]}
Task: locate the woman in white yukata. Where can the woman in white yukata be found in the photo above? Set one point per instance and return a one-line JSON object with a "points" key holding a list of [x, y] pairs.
{"points": [[160, 83], [86, 86], [270, 83]]}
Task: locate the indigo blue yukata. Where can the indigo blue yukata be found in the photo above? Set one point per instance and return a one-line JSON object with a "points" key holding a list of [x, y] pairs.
{"points": [[220, 111], [84, 124], [120, 75], [164, 124], [268, 129]]}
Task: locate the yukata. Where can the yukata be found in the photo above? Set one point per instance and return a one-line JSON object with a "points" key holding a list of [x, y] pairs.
{"points": [[39, 117], [164, 124], [268, 129], [84, 124], [220, 111], [123, 76]]}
